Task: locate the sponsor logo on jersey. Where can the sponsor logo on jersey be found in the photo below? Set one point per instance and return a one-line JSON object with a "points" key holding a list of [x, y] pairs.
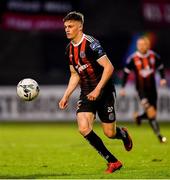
{"points": [[138, 62], [146, 72], [81, 68]]}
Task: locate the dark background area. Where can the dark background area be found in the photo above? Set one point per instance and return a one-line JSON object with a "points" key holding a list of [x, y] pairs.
{"points": [[39, 54]]}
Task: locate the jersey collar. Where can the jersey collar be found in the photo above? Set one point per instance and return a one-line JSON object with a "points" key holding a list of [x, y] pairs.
{"points": [[77, 44], [142, 55]]}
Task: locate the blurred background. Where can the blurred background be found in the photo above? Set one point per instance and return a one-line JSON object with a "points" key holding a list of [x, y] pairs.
{"points": [[32, 44]]}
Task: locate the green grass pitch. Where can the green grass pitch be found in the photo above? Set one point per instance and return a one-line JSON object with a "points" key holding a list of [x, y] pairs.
{"points": [[57, 151]]}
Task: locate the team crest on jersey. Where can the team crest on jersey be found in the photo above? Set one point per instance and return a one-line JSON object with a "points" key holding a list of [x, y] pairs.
{"points": [[152, 60], [82, 54]]}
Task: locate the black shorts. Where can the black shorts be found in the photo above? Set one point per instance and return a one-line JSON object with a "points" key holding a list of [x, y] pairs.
{"points": [[104, 106], [150, 95]]}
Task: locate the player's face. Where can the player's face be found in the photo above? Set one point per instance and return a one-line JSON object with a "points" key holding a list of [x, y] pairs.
{"points": [[72, 29], [142, 46]]}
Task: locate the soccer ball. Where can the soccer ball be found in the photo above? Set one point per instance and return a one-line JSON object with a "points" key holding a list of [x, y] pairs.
{"points": [[28, 89]]}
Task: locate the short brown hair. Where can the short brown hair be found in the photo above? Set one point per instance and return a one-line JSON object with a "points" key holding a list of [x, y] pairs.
{"points": [[77, 16]]}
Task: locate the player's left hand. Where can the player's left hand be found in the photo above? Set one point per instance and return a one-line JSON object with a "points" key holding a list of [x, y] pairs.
{"points": [[122, 92], [163, 82], [92, 96]]}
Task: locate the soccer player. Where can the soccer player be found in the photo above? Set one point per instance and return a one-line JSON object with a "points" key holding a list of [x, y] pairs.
{"points": [[144, 62], [92, 70]]}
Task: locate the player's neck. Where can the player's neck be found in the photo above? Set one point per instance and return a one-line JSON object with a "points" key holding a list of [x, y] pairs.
{"points": [[78, 39], [143, 54]]}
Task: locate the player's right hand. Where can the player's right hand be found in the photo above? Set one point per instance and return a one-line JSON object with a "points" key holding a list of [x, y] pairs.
{"points": [[122, 92], [63, 103]]}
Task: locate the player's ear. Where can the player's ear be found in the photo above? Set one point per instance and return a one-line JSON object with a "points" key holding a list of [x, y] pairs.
{"points": [[81, 27]]}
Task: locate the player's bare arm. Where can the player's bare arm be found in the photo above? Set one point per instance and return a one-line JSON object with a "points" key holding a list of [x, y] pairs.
{"points": [[163, 82], [107, 73], [73, 82]]}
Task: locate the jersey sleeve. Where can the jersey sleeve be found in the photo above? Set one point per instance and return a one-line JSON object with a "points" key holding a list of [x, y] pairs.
{"points": [[159, 63], [67, 55], [96, 49], [129, 65], [127, 69], [160, 66]]}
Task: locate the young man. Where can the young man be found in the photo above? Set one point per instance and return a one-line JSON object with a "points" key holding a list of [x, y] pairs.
{"points": [[144, 63], [91, 68]]}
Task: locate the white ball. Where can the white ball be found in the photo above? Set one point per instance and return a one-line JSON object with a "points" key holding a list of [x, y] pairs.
{"points": [[28, 89]]}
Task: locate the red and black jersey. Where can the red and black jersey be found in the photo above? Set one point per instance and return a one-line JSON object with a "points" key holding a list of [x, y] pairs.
{"points": [[144, 67], [83, 56]]}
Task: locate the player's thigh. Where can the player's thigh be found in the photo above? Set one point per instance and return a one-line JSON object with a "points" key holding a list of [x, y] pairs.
{"points": [[106, 108], [152, 98], [149, 103], [85, 122], [148, 98], [109, 129]]}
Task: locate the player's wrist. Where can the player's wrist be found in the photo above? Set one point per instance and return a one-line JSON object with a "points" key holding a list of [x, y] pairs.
{"points": [[98, 88], [66, 96]]}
